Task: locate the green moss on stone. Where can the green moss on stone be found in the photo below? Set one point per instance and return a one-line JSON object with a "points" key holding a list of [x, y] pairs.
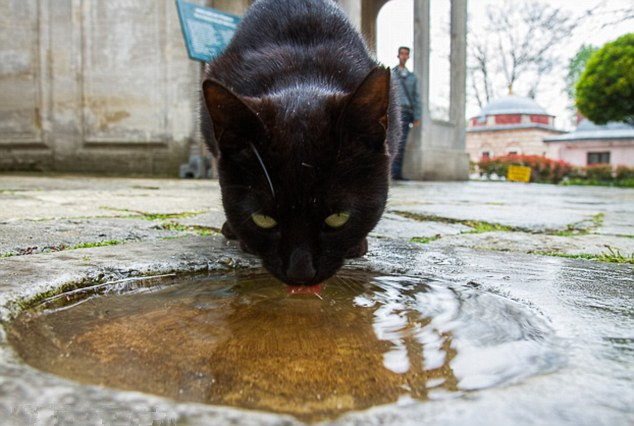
{"points": [[203, 231], [425, 240], [610, 256], [478, 226], [96, 244]]}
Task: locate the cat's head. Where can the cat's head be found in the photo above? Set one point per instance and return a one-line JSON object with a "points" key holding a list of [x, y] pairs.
{"points": [[304, 172]]}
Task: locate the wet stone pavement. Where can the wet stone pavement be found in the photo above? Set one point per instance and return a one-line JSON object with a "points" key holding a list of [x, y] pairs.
{"points": [[561, 257]]}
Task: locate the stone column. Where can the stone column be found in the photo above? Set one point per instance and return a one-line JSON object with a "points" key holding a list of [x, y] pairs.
{"points": [[436, 150], [413, 166], [422, 41], [353, 10], [363, 15], [458, 60]]}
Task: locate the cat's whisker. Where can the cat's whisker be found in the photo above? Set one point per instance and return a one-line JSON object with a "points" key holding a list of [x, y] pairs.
{"points": [[266, 173], [353, 284], [245, 221], [346, 282]]}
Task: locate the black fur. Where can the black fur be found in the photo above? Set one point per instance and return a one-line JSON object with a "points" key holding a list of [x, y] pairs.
{"points": [[298, 88]]}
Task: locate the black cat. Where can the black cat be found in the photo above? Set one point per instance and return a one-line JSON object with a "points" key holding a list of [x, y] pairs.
{"points": [[303, 122]]}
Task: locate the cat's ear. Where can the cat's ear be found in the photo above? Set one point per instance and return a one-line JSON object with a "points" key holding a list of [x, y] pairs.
{"points": [[365, 115], [235, 123]]}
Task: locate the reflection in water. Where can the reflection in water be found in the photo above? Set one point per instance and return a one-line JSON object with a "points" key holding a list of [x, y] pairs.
{"points": [[243, 340]]}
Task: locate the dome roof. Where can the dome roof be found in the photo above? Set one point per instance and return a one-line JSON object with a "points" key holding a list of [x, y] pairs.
{"points": [[513, 105]]}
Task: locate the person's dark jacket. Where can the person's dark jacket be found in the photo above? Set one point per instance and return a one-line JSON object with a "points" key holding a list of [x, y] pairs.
{"points": [[408, 91]]}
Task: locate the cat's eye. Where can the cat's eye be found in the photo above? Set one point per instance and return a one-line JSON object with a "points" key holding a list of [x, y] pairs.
{"points": [[263, 221], [337, 220]]}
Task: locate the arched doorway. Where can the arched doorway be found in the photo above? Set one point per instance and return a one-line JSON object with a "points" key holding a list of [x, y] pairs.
{"points": [[436, 151]]}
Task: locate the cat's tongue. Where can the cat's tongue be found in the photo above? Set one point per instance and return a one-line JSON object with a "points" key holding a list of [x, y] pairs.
{"points": [[303, 289]]}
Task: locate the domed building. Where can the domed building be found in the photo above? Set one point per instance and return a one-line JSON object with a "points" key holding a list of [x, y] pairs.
{"points": [[590, 143], [510, 125]]}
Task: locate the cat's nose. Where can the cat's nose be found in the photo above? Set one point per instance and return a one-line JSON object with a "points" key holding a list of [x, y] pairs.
{"points": [[300, 266]]}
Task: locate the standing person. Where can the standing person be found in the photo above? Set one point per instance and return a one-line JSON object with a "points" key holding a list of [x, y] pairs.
{"points": [[410, 107]]}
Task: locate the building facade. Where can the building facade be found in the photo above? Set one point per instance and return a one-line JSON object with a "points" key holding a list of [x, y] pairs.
{"points": [[95, 87], [510, 125], [591, 144]]}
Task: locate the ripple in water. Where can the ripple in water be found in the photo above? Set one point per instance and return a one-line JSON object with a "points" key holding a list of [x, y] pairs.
{"points": [[243, 340]]}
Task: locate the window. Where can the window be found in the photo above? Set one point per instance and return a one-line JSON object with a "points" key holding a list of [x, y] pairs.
{"points": [[598, 158], [485, 155], [513, 149]]}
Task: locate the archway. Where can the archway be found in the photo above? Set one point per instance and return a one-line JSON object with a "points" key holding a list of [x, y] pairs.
{"points": [[436, 150]]}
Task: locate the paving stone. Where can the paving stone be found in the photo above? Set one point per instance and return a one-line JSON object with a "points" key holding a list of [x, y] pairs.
{"points": [[587, 303]]}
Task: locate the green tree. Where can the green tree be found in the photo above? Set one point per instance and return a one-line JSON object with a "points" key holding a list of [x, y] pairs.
{"points": [[576, 66], [605, 90]]}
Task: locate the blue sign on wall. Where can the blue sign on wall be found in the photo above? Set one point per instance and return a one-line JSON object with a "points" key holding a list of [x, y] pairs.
{"points": [[207, 31]]}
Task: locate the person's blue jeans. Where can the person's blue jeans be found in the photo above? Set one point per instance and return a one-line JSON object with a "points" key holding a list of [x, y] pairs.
{"points": [[407, 118]]}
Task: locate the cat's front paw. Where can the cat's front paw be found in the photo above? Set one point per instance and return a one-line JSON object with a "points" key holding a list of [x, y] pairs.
{"points": [[228, 232], [359, 250], [245, 248]]}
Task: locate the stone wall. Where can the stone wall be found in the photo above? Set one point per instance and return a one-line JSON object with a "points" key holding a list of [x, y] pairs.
{"points": [[576, 153], [95, 86], [527, 141]]}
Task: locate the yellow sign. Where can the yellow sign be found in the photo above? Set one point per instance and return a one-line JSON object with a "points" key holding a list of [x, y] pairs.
{"points": [[519, 174]]}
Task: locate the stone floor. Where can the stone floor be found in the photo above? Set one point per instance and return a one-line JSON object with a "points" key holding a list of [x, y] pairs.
{"points": [[547, 246], [40, 215]]}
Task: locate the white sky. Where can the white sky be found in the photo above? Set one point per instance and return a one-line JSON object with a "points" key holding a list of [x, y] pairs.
{"points": [[395, 28]]}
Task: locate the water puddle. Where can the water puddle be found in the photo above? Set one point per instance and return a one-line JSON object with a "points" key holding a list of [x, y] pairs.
{"points": [[244, 340]]}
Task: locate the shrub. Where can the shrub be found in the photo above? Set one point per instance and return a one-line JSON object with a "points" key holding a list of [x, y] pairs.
{"points": [[546, 170], [625, 183], [599, 172], [624, 172], [543, 169], [577, 173], [493, 166]]}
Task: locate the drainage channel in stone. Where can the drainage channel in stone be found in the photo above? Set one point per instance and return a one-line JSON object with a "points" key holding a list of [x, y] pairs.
{"points": [[245, 340]]}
